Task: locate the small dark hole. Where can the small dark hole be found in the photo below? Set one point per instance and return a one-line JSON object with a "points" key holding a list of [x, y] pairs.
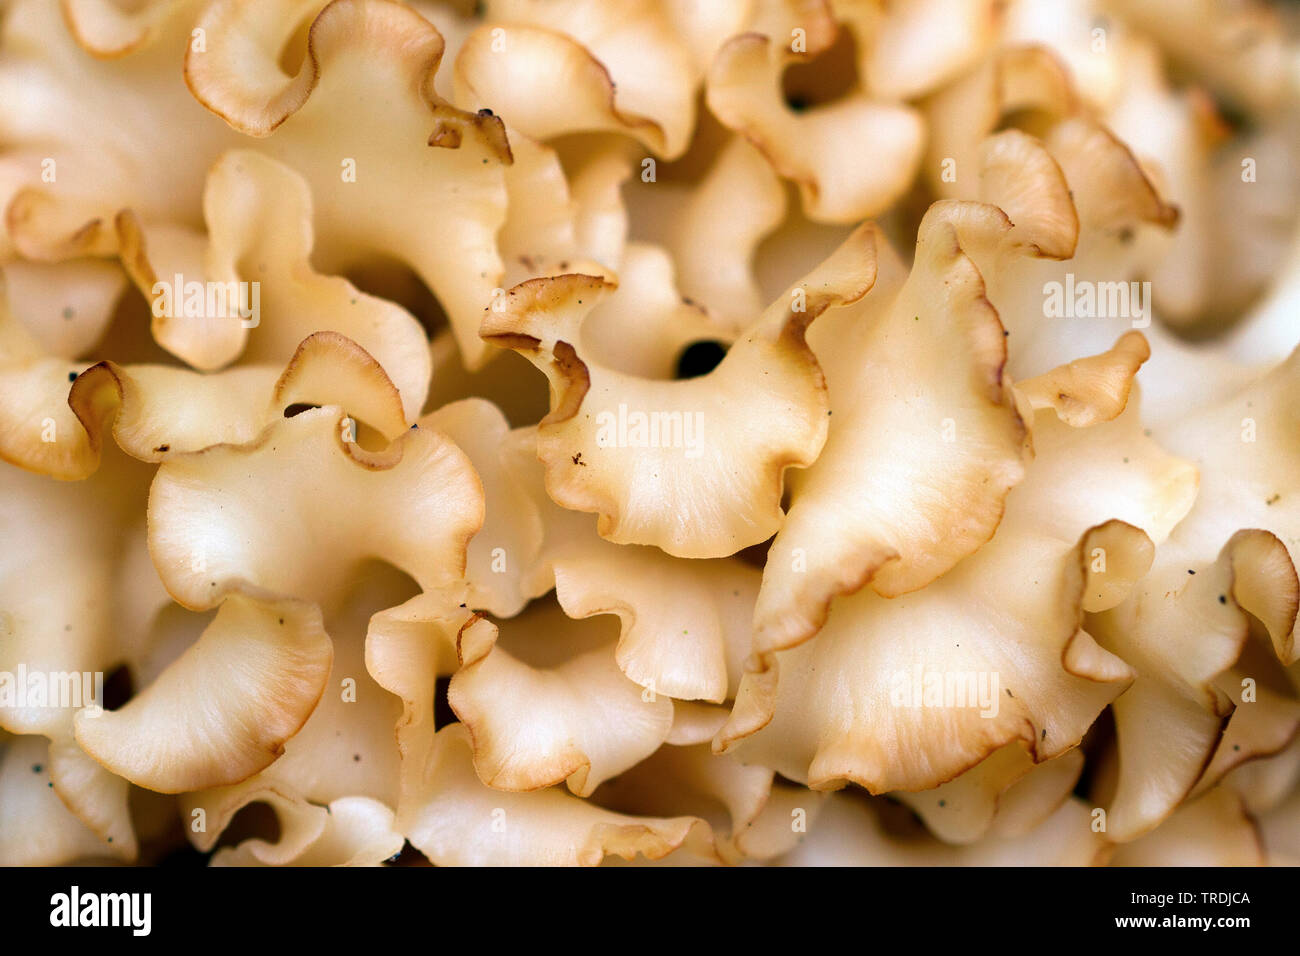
{"points": [[1235, 118], [257, 820], [297, 408], [442, 712], [824, 77], [700, 358], [1036, 122], [897, 820], [184, 856], [1099, 738], [395, 281], [408, 856], [118, 688], [756, 554]]}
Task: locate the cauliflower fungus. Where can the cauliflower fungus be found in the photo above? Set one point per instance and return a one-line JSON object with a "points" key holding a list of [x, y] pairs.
{"points": [[543, 432]]}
